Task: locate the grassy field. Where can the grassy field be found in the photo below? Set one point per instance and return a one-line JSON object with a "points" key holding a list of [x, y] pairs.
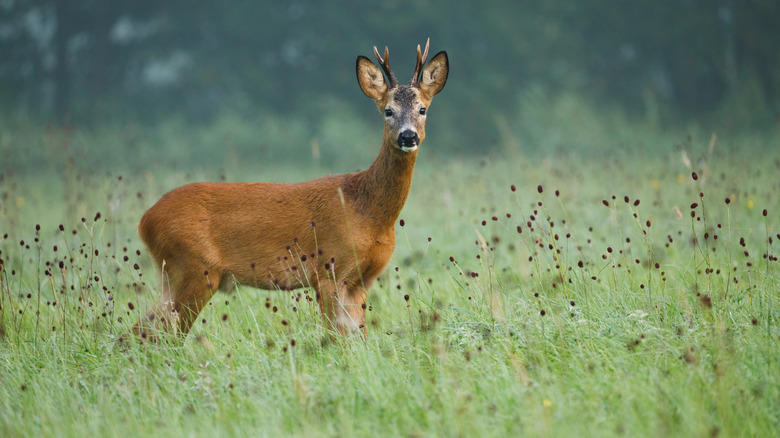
{"points": [[632, 291]]}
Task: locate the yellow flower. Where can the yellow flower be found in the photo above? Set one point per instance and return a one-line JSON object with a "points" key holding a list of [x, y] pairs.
{"points": [[547, 403], [750, 203]]}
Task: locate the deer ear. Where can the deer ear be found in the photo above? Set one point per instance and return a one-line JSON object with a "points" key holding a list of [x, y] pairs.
{"points": [[434, 75], [370, 78]]}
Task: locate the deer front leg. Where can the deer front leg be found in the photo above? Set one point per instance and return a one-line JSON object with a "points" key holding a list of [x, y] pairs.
{"points": [[344, 307], [350, 311]]}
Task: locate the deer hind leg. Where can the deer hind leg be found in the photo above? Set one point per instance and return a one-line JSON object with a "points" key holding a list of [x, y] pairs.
{"points": [[185, 294]]}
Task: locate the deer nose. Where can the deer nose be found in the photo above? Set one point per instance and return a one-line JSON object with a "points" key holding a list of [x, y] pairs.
{"points": [[408, 139]]}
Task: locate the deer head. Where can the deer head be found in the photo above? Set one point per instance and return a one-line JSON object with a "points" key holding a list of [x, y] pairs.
{"points": [[404, 106]]}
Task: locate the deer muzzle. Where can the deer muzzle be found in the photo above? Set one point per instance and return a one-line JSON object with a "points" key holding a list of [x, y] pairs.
{"points": [[408, 140]]}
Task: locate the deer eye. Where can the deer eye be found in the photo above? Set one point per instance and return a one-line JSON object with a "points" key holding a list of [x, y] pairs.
{"points": [[422, 111], [388, 113]]}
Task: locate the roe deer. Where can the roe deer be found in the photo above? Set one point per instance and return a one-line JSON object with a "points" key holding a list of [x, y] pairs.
{"points": [[333, 234]]}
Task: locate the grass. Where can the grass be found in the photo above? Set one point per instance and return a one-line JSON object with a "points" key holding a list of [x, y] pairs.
{"points": [[538, 294]]}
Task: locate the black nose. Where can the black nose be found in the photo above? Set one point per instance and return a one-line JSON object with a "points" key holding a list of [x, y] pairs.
{"points": [[408, 139]]}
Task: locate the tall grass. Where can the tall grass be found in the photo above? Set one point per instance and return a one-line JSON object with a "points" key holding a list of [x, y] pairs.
{"points": [[628, 292]]}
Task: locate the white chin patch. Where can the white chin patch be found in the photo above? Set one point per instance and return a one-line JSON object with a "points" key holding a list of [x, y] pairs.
{"points": [[409, 149]]}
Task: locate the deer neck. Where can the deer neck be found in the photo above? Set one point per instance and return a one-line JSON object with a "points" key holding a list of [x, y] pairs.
{"points": [[382, 189]]}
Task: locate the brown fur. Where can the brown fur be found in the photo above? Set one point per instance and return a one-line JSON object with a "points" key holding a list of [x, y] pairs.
{"points": [[333, 234]]}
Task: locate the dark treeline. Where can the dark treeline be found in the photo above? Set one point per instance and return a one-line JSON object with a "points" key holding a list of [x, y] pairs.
{"points": [[88, 60]]}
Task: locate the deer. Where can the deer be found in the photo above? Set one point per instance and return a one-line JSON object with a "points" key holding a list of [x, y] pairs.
{"points": [[334, 234]]}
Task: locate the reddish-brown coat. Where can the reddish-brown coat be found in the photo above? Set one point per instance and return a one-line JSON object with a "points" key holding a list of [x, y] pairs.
{"points": [[333, 234]]}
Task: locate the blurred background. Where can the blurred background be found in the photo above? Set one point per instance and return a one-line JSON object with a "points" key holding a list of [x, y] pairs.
{"points": [[129, 84]]}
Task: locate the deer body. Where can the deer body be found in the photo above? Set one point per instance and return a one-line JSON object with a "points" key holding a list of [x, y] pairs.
{"points": [[333, 234]]}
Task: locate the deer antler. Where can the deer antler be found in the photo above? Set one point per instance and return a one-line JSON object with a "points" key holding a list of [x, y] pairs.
{"points": [[385, 63], [421, 57]]}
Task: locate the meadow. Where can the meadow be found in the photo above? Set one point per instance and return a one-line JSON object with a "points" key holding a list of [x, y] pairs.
{"points": [[610, 282]]}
